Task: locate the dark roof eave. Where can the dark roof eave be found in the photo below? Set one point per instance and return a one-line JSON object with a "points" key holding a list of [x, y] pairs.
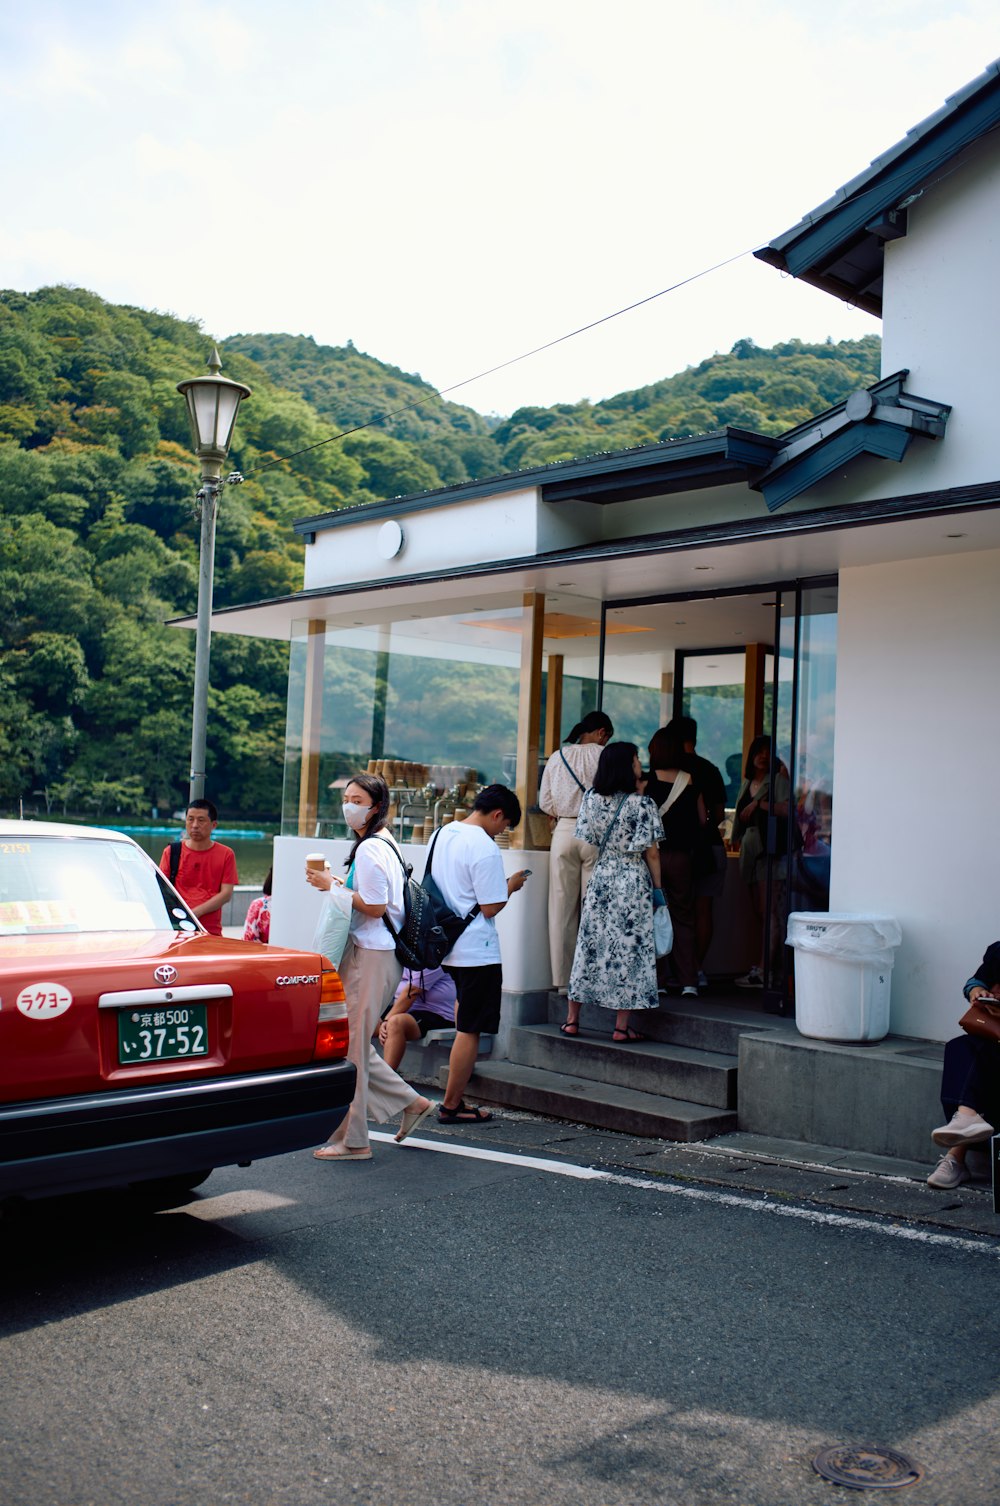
{"points": [[815, 249], [618, 469], [845, 515]]}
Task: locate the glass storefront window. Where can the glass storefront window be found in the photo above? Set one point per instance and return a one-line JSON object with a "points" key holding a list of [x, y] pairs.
{"points": [[714, 690], [427, 702], [813, 793]]}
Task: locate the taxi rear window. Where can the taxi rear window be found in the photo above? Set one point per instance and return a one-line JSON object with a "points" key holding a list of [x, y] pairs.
{"points": [[53, 885]]}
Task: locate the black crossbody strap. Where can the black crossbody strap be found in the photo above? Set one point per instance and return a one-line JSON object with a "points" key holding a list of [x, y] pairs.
{"points": [[427, 873], [430, 853], [611, 827], [573, 775]]}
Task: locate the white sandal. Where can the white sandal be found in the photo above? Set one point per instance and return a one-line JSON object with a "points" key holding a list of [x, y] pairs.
{"points": [[413, 1119]]}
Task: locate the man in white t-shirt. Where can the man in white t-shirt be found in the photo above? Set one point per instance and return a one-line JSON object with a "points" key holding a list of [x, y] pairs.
{"points": [[468, 869]]}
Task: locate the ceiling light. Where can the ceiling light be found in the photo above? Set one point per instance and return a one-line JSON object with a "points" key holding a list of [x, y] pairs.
{"points": [[956, 535], [704, 567], [680, 622]]}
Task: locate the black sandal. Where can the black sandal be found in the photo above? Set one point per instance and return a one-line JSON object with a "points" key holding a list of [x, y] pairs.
{"points": [[628, 1034], [571, 1027], [463, 1115]]}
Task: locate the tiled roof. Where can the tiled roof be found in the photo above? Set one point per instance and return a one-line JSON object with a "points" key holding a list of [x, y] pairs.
{"points": [[839, 246]]}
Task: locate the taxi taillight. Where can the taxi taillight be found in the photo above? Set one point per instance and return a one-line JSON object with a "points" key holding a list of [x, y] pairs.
{"points": [[332, 1031]]}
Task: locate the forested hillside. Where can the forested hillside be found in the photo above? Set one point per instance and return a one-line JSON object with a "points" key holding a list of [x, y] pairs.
{"points": [[99, 532]]}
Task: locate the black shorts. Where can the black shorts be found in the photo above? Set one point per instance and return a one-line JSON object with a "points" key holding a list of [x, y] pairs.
{"points": [[477, 1008], [428, 1020]]}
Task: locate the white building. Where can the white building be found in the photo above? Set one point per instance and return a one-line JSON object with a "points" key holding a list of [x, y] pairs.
{"points": [[839, 585]]}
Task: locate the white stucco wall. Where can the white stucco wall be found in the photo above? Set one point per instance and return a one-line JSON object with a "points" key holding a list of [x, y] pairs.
{"points": [[917, 813], [941, 315], [462, 533]]}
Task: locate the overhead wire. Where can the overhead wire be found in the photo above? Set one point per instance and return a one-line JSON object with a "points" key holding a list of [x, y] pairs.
{"points": [[439, 392]]}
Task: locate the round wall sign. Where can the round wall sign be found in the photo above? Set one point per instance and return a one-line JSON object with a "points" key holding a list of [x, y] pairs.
{"points": [[390, 540]]}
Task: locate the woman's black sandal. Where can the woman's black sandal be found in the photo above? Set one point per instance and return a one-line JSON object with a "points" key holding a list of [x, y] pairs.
{"points": [[463, 1115]]}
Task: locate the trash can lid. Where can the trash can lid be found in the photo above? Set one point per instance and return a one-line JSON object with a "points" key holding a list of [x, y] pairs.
{"points": [[842, 933]]}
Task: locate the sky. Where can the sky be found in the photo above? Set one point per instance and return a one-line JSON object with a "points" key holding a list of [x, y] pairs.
{"points": [[452, 183]]}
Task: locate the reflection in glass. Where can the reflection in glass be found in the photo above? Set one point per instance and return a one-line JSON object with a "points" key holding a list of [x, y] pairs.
{"points": [[814, 747], [437, 698]]}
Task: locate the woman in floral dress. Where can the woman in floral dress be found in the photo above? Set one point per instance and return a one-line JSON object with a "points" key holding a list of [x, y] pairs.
{"points": [[615, 961]]}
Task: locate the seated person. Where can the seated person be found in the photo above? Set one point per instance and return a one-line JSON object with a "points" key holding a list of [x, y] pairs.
{"points": [[425, 1000], [970, 1084]]}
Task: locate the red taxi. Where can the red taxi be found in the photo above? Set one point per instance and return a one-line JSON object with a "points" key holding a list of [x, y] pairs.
{"points": [[134, 1046]]}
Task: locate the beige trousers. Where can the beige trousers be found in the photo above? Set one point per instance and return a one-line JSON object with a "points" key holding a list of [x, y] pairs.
{"points": [[571, 863], [370, 980]]}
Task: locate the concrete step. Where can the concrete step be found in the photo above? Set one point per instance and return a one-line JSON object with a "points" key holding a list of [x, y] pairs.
{"points": [[706, 1077], [603, 1105], [705, 1024]]}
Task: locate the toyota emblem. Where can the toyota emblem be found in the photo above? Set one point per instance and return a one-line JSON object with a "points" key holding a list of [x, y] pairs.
{"points": [[166, 974]]}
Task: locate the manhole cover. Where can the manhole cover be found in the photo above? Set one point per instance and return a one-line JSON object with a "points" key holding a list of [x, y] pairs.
{"points": [[864, 1467]]}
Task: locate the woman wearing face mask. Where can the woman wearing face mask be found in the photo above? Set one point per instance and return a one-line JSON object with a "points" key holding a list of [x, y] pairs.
{"points": [[370, 971]]}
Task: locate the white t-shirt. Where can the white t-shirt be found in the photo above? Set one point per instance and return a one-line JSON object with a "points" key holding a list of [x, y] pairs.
{"points": [[468, 869], [378, 878]]}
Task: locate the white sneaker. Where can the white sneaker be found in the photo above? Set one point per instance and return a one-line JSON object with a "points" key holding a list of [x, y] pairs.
{"points": [[690, 992], [702, 980], [753, 979], [948, 1173], [963, 1129]]}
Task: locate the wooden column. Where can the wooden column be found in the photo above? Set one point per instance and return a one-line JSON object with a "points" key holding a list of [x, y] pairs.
{"points": [[666, 696], [529, 710], [755, 675], [312, 728], [553, 705]]}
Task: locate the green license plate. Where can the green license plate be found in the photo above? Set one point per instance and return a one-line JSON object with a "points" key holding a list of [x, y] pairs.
{"points": [[157, 1035]]}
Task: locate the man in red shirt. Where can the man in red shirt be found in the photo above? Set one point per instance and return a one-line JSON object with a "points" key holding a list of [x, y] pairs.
{"points": [[206, 876]]}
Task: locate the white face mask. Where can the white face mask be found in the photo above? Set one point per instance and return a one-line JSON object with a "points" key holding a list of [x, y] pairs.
{"points": [[356, 815]]}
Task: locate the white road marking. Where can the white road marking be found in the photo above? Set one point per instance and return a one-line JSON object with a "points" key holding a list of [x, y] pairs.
{"points": [[913, 1233], [533, 1163]]}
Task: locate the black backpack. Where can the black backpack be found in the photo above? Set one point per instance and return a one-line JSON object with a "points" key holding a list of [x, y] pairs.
{"points": [[430, 929]]}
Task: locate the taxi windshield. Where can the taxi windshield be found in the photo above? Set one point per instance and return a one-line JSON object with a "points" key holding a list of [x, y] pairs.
{"points": [[50, 885]]}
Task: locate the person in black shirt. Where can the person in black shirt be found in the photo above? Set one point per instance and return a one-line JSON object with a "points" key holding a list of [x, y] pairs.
{"points": [[710, 858], [672, 789]]}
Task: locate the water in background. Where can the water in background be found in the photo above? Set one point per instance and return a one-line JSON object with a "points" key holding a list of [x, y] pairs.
{"points": [[252, 849]]}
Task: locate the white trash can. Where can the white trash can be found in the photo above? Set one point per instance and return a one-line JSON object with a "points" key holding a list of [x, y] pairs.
{"points": [[843, 973]]}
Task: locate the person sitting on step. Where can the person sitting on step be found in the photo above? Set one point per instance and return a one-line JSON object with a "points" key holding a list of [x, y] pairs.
{"points": [[425, 1000], [970, 1084]]}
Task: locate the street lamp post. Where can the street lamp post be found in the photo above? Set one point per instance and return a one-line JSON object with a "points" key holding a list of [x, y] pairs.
{"points": [[212, 403]]}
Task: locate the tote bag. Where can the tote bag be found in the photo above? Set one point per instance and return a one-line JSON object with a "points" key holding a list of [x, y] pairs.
{"points": [[334, 924]]}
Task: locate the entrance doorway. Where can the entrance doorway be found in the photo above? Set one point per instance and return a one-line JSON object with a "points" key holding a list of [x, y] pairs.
{"points": [[744, 665]]}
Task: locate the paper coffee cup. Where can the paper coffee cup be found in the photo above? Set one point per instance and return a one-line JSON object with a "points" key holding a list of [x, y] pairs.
{"points": [[315, 862]]}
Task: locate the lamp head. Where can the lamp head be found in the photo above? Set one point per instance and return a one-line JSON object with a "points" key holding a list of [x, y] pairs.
{"points": [[212, 403]]}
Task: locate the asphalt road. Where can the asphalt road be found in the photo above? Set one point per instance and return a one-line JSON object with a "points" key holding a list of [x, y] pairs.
{"points": [[432, 1328]]}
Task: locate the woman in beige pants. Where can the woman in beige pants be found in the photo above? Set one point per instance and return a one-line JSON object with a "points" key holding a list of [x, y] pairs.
{"points": [[568, 774], [370, 971]]}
